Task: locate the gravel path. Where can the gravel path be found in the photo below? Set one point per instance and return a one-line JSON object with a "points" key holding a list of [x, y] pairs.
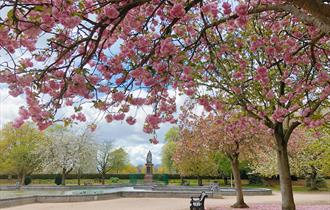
{"points": [[304, 201]]}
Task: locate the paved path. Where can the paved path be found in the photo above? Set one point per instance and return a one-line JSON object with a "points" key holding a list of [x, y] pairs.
{"points": [[171, 203]]}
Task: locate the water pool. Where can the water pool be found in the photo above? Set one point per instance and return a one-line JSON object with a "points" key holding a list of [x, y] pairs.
{"points": [[92, 191]]}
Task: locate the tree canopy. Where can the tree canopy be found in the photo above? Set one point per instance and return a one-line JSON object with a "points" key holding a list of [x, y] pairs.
{"points": [[267, 57], [20, 151]]}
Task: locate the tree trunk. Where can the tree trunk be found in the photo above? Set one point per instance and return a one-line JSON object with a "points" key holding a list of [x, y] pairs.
{"points": [[103, 178], [200, 181], [63, 176], [79, 175], [22, 180], [238, 184], [284, 172], [313, 177]]}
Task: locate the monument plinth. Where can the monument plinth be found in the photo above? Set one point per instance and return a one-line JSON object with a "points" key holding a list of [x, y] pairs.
{"points": [[149, 169]]}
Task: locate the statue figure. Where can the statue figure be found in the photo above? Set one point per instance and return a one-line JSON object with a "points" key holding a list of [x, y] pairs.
{"points": [[149, 169], [149, 157]]}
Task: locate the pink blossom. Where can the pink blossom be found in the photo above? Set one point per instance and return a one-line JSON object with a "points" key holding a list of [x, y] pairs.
{"points": [[18, 122], [69, 102], [167, 47], [24, 113], [109, 118], [138, 101], [279, 114], [236, 90], [26, 62], [118, 96], [238, 75], [130, 120], [125, 108], [242, 9], [226, 8], [154, 140], [119, 116], [305, 112], [111, 12], [81, 117], [190, 92], [177, 11], [270, 95]]}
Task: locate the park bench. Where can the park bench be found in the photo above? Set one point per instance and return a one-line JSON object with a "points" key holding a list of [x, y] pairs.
{"points": [[197, 203]]}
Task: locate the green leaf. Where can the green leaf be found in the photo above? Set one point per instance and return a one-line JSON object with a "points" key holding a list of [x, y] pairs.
{"points": [[10, 14], [39, 8]]}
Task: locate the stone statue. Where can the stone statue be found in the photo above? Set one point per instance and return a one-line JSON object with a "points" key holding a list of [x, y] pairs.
{"points": [[149, 169], [149, 157]]}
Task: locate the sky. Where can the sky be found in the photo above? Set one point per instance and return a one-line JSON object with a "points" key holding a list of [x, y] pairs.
{"points": [[131, 138]]}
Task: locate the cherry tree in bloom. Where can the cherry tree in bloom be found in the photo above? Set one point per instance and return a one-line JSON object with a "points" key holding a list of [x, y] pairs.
{"points": [[230, 132], [192, 156], [269, 57]]}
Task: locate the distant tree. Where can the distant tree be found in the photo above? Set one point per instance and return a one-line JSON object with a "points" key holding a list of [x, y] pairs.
{"points": [[86, 154], [61, 150], [309, 155], [118, 160], [129, 169], [228, 131], [171, 137], [224, 167], [173, 134], [103, 163], [235, 135], [192, 158], [19, 150], [167, 156]]}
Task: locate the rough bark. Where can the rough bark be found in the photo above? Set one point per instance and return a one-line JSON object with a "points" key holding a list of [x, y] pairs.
{"points": [[103, 179], [316, 8], [79, 176], [238, 184], [284, 172], [22, 178], [63, 176]]}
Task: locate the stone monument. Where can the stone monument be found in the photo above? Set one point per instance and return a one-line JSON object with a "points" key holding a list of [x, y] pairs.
{"points": [[149, 167]]}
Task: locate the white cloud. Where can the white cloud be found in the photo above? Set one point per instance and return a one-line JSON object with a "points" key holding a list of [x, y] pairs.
{"points": [[131, 138], [9, 106]]}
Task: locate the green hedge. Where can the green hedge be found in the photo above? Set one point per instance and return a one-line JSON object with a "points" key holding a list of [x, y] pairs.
{"points": [[108, 176]]}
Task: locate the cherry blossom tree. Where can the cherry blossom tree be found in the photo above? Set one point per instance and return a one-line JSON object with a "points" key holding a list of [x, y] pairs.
{"points": [[235, 135], [308, 156], [269, 57], [192, 156]]}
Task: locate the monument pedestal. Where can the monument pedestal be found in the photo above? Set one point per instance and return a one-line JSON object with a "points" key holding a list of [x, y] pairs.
{"points": [[148, 175], [148, 178]]}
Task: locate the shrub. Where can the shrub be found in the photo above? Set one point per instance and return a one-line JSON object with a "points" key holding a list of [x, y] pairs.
{"points": [[58, 179], [255, 179], [315, 182], [27, 180], [114, 179]]}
